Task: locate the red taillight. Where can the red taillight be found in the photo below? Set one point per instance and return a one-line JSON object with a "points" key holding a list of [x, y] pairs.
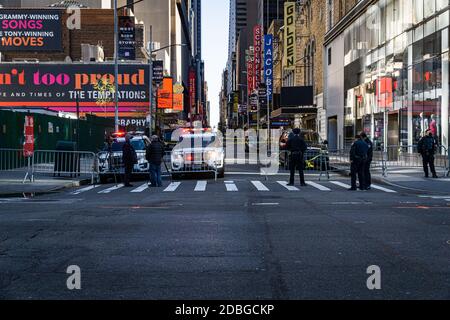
{"points": [[119, 134], [189, 157]]}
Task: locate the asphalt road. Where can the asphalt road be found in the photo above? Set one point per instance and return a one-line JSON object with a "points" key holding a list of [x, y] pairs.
{"points": [[241, 237]]}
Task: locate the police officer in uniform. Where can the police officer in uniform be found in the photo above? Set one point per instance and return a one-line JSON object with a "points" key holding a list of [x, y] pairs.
{"points": [[358, 158], [368, 163], [297, 147], [427, 147]]}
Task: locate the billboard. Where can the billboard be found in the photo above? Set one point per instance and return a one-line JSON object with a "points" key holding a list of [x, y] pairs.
{"points": [[290, 49], [30, 30], [127, 38], [165, 94], [66, 87], [297, 96]]}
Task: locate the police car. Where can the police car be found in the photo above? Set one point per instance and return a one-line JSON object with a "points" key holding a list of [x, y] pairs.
{"points": [[110, 162], [198, 151]]}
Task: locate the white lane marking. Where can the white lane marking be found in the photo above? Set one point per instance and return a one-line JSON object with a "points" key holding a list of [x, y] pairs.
{"points": [[374, 186], [285, 184], [435, 197], [77, 192], [140, 189], [231, 187], [109, 190], [260, 186], [266, 204], [317, 186], [172, 187], [201, 186], [340, 184]]}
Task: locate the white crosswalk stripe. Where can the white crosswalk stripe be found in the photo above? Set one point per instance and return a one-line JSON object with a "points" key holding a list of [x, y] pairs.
{"points": [[231, 187], [84, 190], [172, 187], [374, 186], [201, 186], [340, 184], [260, 186], [109, 190], [140, 189], [285, 184], [317, 186]]}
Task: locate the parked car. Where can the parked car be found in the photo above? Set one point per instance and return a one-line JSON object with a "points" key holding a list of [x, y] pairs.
{"points": [[316, 149], [111, 162]]}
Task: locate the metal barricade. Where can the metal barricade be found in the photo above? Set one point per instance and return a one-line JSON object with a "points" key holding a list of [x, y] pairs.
{"points": [[14, 163], [400, 157], [65, 163], [315, 161]]}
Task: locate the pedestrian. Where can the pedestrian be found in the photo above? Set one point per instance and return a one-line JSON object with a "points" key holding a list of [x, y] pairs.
{"points": [[427, 148], [129, 160], [297, 147], [154, 155], [368, 163], [358, 159]]}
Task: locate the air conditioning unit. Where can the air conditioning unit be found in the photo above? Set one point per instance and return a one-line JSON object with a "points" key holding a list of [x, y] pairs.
{"points": [[92, 53]]}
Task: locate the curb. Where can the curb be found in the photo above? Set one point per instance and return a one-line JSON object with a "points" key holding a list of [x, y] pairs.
{"points": [[68, 185]]}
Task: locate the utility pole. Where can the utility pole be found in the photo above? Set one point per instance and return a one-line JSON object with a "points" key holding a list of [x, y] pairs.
{"points": [[116, 67], [150, 127]]}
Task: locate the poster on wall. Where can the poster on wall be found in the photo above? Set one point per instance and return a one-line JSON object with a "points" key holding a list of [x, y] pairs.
{"points": [[30, 30], [60, 87]]}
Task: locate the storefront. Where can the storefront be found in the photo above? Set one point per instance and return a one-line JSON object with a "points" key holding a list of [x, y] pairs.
{"points": [[395, 83]]}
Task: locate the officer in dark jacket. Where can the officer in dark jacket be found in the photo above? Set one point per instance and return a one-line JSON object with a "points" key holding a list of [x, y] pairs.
{"points": [[427, 148], [368, 163], [129, 160], [358, 158], [154, 155], [297, 147]]}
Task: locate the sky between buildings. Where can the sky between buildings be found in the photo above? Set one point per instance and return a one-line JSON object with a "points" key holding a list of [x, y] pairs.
{"points": [[215, 14]]}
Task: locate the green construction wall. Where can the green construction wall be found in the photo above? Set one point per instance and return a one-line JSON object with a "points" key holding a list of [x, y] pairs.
{"points": [[91, 132]]}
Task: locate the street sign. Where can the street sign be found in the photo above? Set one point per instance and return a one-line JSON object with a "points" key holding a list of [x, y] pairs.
{"points": [[28, 146], [158, 71]]}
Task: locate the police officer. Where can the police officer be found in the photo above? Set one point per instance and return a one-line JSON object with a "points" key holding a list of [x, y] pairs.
{"points": [[358, 158], [427, 148], [368, 163], [296, 145]]}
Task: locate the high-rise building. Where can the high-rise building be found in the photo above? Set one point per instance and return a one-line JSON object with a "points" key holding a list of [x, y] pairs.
{"points": [[268, 11]]}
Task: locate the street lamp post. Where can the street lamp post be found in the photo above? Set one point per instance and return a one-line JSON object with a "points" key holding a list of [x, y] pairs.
{"points": [[116, 67]]}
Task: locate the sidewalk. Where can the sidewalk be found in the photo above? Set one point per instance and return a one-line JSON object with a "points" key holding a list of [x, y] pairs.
{"points": [[11, 183], [413, 179]]}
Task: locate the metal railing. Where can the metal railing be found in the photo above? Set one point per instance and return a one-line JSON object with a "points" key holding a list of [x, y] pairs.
{"points": [[13, 161], [64, 163], [391, 158]]}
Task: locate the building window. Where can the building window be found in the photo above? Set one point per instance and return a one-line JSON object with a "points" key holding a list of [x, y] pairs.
{"points": [[329, 56]]}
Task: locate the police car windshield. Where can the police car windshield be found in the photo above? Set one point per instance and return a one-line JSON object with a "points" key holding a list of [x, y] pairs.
{"points": [[138, 145], [197, 141]]}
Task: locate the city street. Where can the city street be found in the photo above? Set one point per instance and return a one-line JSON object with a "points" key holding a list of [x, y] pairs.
{"points": [[241, 237]]}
